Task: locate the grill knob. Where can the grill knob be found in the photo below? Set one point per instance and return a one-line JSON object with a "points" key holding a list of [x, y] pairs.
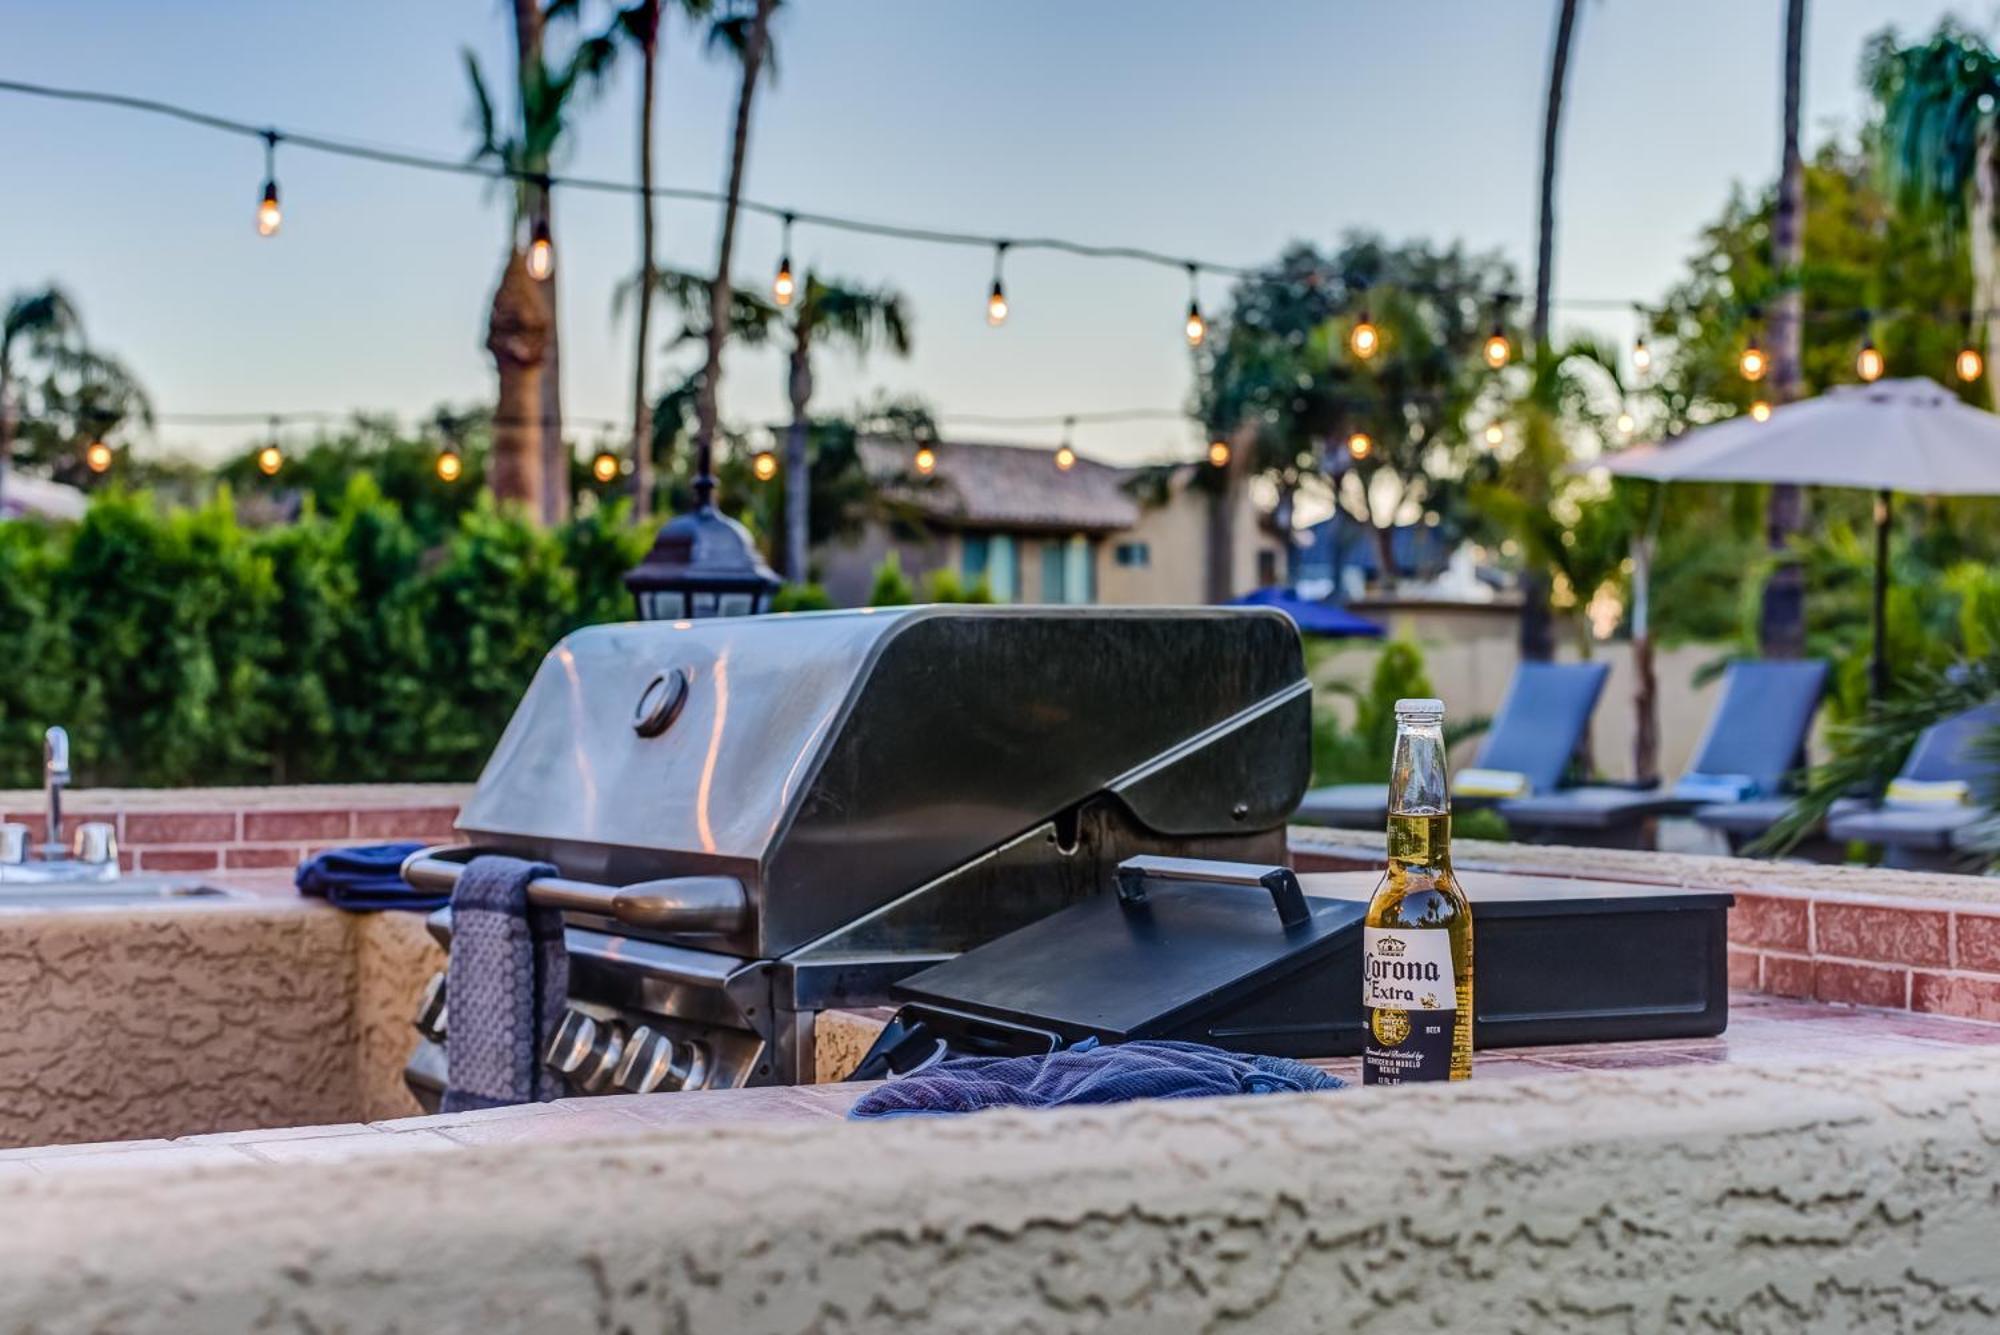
{"points": [[431, 1018], [585, 1051], [648, 1064], [695, 1074]]}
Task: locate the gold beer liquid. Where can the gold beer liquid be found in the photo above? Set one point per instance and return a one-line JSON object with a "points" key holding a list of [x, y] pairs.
{"points": [[1416, 985]]}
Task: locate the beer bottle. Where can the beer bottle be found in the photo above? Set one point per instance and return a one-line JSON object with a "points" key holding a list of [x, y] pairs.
{"points": [[1416, 967]]}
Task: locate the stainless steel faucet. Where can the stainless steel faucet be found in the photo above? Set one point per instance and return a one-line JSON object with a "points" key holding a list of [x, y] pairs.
{"points": [[55, 777]]}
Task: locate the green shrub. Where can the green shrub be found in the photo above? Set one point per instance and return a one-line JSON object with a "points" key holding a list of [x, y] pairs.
{"points": [[801, 598], [945, 586], [1360, 753], [892, 588], [181, 648]]}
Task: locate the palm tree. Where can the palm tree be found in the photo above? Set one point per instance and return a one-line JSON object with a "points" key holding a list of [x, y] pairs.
{"points": [[1781, 622], [1545, 248], [830, 312], [1940, 106], [639, 26], [58, 394], [517, 334], [748, 34], [525, 153]]}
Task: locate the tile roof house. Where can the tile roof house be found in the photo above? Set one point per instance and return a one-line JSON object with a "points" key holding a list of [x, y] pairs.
{"points": [[1038, 533]]}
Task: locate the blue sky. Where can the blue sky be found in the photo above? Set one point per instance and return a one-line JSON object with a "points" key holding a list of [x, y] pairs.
{"points": [[1215, 131]]}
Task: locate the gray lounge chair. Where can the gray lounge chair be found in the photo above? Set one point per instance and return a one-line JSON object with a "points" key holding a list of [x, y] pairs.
{"points": [[1548, 705], [1924, 836], [1755, 739]]}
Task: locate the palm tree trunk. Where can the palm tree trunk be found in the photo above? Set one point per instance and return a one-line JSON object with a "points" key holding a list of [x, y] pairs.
{"points": [[517, 336], [1545, 249], [1645, 677], [798, 475], [555, 453], [1985, 291], [1781, 630], [642, 416], [719, 287]]}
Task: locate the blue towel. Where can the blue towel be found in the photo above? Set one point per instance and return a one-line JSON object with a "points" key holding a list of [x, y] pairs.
{"points": [[1087, 1073], [364, 880], [507, 984]]}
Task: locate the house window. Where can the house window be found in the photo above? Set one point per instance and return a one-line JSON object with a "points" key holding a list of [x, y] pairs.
{"points": [[1055, 571], [972, 561], [1081, 576], [1134, 554], [1267, 567]]}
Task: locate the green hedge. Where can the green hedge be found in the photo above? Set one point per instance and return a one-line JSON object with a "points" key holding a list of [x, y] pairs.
{"points": [[182, 648]]}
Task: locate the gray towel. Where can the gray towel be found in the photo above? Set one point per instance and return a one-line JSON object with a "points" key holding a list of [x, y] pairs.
{"points": [[508, 981]]}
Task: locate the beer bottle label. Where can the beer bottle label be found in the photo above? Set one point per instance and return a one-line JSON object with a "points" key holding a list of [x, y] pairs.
{"points": [[1410, 995]]}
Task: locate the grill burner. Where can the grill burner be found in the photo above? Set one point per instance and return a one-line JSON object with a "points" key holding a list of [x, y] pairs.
{"points": [[759, 818]]}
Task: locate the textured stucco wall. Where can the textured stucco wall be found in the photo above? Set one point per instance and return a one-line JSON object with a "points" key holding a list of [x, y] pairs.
{"points": [[177, 1020], [1852, 1198]]}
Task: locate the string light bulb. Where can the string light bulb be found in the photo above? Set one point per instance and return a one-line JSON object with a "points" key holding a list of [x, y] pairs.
{"points": [[926, 460], [1868, 362], [605, 466], [1642, 356], [97, 457], [270, 459], [1066, 456], [784, 286], [1752, 363], [1196, 328], [1360, 444], [1626, 424], [1969, 364], [1218, 454], [450, 465], [1364, 340], [996, 301], [1495, 433], [763, 465], [1760, 411], [541, 251], [1498, 351], [269, 216]]}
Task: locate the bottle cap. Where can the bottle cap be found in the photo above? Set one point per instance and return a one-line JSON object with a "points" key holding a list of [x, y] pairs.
{"points": [[1407, 708]]}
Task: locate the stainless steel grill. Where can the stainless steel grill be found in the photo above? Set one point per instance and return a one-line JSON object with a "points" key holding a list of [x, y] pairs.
{"points": [[759, 818]]}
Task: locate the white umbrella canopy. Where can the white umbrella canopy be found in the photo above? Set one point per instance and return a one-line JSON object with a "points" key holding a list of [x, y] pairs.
{"points": [[1912, 436]]}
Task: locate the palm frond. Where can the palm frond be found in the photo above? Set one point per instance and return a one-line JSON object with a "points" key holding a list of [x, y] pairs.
{"points": [[1868, 752]]}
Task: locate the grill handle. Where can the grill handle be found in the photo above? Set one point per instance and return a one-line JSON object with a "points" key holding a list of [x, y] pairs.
{"points": [[706, 905], [1287, 895]]}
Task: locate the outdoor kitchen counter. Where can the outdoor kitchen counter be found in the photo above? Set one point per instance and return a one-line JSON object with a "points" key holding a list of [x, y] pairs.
{"points": [[1763, 1032]]}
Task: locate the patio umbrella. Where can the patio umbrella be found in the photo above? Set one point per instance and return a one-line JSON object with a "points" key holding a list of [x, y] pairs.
{"points": [[1912, 436], [1312, 618]]}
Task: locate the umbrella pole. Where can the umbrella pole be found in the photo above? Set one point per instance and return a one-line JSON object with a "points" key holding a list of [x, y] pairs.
{"points": [[1879, 678]]}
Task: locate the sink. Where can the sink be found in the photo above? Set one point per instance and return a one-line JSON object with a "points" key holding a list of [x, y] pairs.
{"points": [[122, 892]]}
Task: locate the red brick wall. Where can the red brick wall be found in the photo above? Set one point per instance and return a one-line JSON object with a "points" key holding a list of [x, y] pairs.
{"points": [[245, 837], [1921, 956]]}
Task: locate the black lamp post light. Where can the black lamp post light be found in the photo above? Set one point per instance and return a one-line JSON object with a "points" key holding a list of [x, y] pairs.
{"points": [[703, 564]]}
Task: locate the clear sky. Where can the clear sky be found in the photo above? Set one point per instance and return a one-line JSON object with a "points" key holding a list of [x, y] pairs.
{"points": [[1216, 131]]}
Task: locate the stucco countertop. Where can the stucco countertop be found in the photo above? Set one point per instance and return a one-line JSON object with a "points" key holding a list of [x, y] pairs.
{"points": [[1763, 1032]]}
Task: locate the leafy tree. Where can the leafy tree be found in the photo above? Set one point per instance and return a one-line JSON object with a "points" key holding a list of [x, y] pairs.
{"points": [[1277, 379]]}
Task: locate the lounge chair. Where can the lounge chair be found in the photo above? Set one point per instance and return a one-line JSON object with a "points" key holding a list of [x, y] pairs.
{"points": [[1932, 800], [1548, 705], [1755, 739]]}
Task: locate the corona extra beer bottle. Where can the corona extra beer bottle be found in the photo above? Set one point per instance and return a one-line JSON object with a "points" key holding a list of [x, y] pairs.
{"points": [[1416, 966]]}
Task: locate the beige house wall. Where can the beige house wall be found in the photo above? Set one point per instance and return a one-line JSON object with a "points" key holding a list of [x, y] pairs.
{"points": [[1176, 534]]}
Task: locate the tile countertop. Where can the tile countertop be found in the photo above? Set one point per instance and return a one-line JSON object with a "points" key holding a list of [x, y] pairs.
{"points": [[1763, 1030]]}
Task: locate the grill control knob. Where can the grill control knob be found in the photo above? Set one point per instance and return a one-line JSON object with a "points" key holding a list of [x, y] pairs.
{"points": [[695, 1073], [648, 1065], [431, 1011], [585, 1050]]}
